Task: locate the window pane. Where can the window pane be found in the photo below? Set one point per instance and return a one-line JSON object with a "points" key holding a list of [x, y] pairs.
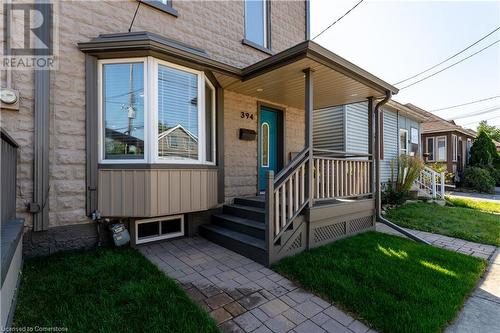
{"points": [[177, 114], [441, 149], [265, 144], [123, 110], [403, 142], [255, 21], [148, 229], [430, 149], [209, 123], [171, 226]]}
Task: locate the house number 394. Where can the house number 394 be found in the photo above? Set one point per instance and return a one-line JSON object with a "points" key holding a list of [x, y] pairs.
{"points": [[247, 115]]}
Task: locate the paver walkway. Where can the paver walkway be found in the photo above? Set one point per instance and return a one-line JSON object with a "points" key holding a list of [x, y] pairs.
{"points": [[242, 295], [454, 244], [481, 312]]}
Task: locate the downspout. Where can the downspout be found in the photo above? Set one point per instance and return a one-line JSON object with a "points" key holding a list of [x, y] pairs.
{"points": [[378, 199]]}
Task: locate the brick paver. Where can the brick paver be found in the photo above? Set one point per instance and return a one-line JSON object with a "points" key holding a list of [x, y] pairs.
{"points": [[454, 244], [242, 295]]}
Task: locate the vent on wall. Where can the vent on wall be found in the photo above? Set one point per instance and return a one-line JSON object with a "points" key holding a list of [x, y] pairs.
{"points": [[159, 228]]}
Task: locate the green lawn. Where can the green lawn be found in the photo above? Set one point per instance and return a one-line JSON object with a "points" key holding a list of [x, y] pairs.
{"points": [[464, 223], [107, 290], [486, 206], [391, 283]]}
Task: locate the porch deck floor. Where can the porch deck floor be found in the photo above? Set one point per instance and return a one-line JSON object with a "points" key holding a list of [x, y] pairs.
{"points": [[242, 295]]}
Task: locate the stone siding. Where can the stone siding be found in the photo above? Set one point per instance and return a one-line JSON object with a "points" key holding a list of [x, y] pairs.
{"points": [[215, 26], [240, 157]]}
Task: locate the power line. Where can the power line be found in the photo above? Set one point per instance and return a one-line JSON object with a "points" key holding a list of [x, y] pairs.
{"points": [[449, 58], [340, 18], [468, 103], [452, 65], [477, 113], [473, 122]]}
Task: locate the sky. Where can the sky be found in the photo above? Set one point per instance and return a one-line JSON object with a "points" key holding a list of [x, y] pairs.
{"points": [[397, 39]]}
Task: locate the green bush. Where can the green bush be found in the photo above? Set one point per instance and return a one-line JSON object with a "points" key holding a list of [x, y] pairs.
{"points": [[478, 179], [483, 152], [495, 173], [392, 197]]}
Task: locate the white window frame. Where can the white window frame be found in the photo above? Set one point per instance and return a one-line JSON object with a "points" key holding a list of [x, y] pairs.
{"points": [[214, 119], [100, 111], [158, 220], [265, 22], [150, 69], [401, 150], [433, 148], [454, 143], [438, 157]]}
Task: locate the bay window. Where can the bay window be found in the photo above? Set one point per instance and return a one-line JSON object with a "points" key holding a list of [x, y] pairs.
{"points": [[152, 111]]}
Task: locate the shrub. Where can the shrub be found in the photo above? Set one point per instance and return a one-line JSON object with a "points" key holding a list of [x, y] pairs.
{"points": [[478, 179], [392, 197], [495, 174], [442, 167], [483, 151], [408, 169]]}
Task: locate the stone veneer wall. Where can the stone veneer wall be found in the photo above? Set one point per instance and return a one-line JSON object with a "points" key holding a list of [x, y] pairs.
{"points": [[240, 157], [215, 26]]}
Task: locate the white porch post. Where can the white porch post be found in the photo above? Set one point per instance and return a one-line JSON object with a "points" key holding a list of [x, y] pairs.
{"points": [[308, 108]]}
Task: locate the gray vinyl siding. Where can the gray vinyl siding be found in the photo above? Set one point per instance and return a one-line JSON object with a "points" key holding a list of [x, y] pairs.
{"points": [[391, 137], [328, 128], [357, 128]]}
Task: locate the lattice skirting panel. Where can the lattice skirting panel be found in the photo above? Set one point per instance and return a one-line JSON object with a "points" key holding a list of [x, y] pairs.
{"points": [[292, 242], [327, 231]]}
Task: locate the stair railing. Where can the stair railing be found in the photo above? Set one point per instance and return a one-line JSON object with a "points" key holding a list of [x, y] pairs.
{"points": [[286, 196], [431, 182]]}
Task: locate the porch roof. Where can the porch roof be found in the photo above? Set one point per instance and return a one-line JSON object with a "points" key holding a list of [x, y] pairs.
{"points": [[278, 78]]}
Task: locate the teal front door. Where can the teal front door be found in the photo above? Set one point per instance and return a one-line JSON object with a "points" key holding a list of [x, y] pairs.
{"points": [[268, 144]]}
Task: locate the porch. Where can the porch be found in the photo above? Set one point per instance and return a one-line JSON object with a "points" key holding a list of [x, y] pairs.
{"points": [[320, 195]]}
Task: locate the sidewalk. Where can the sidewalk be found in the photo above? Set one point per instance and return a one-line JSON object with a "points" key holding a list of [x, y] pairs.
{"points": [[454, 244], [242, 295], [481, 312]]}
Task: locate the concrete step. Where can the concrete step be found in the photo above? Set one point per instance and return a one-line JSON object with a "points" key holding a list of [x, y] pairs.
{"points": [[246, 245], [249, 227]]}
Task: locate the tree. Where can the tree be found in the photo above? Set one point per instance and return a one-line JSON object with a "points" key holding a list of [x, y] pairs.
{"points": [[483, 151], [492, 131]]}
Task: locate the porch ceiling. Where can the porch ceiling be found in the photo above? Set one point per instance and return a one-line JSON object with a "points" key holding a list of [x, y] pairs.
{"points": [[280, 79]]}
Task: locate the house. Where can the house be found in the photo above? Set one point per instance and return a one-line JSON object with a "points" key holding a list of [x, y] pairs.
{"points": [[344, 128], [443, 141], [193, 117]]}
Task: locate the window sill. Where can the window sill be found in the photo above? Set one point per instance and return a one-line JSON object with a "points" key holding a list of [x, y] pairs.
{"points": [[147, 166], [161, 6], [256, 46]]}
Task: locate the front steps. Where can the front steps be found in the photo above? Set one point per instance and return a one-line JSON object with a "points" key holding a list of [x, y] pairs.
{"points": [[240, 227]]}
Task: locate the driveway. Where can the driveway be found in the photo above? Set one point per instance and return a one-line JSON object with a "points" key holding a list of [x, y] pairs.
{"points": [[479, 196]]}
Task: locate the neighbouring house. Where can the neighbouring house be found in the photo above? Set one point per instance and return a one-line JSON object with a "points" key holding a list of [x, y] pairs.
{"points": [[344, 128], [445, 142], [196, 118]]}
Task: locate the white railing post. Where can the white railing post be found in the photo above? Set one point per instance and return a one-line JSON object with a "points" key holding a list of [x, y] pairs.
{"points": [[442, 185], [269, 212], [433, 185]]}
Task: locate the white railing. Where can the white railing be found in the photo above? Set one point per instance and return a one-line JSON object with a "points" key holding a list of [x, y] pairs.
{"points": [[341, 178], [286, 194], [431, 182]]}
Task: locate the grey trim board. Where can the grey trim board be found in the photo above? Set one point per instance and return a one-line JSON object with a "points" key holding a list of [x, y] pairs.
{"points": [[41, 144], [152, 166], [220, 143], [91, 135]]}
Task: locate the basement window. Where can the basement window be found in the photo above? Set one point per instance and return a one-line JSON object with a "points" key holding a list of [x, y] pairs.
{"points": [[159, 228]]}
